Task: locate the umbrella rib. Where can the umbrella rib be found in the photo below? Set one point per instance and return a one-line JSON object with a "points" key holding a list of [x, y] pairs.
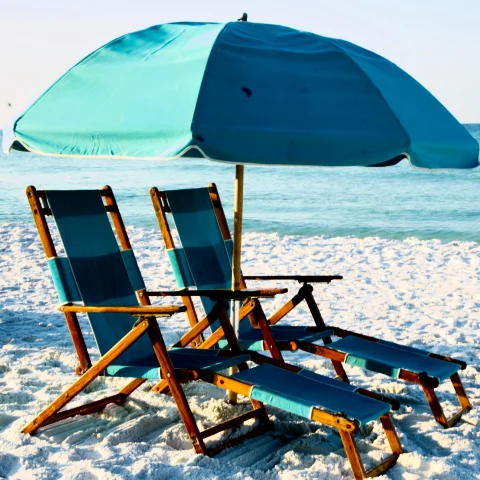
{"points": [[205, 73], [384, 100]]}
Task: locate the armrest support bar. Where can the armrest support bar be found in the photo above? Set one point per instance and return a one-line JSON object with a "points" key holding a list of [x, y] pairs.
{"points": [[298, 278], [138, 310], [221, 293]]}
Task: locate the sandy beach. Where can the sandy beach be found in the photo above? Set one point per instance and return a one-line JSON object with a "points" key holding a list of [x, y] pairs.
{"points": [[419, 293]]}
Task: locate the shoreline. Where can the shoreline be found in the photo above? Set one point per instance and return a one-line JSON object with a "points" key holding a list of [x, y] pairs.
{"points": [[289, 236]]}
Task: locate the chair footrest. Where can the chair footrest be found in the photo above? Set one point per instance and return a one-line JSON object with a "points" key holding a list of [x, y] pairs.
{"points": [[301, 392], [389, 358]]}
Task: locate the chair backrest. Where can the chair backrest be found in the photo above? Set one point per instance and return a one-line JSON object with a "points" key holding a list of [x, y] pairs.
{"points": [[205, 259], [94, 270]]}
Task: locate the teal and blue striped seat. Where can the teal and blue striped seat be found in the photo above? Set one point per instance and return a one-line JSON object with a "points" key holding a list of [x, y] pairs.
{"points": [[389, 358], [204, 261], [96, 272], [300, 392]]}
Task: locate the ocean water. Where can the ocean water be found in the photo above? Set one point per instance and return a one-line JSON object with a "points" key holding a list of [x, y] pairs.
{"points": [[395, 202]]}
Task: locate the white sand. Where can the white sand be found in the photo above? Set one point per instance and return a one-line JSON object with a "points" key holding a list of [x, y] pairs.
{"points": [[420, 293]]}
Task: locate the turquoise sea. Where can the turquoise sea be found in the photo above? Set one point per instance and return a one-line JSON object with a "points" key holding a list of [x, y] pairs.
{"points": [[395, 202]]}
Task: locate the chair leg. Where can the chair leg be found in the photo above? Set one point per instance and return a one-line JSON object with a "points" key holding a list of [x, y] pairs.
{"points": [[175, 387], [340, 371], [460, 391], [84, 362], [262, 414], [161, 386], [320, 323], [437, 410], [354, 457], [391, 434]]}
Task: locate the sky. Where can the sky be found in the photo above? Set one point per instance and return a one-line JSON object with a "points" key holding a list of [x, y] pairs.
{"points": [[435, 41]]}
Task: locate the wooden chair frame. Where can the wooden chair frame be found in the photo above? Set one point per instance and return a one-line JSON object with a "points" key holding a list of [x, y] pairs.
{"points": [[254, 311], [147, 323], [252, 307]]}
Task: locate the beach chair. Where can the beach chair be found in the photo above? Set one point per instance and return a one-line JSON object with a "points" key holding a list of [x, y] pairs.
{"points": [[98, 275], [206, 246]]}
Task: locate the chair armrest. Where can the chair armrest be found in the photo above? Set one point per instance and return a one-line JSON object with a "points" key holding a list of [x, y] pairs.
{"points": [[221, 293], [298, 278], [136, 310]]}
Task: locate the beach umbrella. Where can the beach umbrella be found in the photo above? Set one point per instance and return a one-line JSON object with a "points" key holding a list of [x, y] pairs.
{"points": [[243, 93]]}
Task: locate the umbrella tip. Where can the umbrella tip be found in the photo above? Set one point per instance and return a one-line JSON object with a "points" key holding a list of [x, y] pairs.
{"points": [[243, 18]]}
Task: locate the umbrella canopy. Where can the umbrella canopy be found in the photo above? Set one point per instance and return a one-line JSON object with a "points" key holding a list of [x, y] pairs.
{"points": [[244, 93]]}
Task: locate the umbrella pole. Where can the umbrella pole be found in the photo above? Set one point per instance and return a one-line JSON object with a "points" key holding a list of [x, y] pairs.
{"points": [[237, 252]]}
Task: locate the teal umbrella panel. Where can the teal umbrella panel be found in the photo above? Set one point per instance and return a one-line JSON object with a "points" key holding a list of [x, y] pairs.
{"points": [[243, 93]]}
